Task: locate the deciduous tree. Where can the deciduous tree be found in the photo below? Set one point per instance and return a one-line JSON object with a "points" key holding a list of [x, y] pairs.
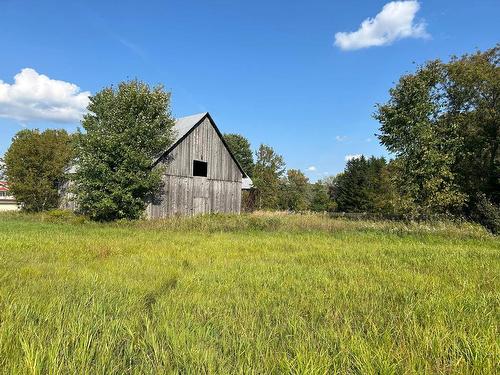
{"points": [[34, 166], [443, 125], [269, 168], [240, 147], [320, 200], [126, 128], [295, 191]]}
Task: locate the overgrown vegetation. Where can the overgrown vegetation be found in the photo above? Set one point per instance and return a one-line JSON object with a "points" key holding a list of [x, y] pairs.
{"points": [[261, 293], [443, 125]]}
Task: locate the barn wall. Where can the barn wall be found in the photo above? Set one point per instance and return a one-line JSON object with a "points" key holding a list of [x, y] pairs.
{"points": [[203, 144], [184, 194], [67, 199]]}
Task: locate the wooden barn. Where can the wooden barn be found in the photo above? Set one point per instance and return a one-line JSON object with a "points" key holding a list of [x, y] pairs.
{"points": [[201, 174]]}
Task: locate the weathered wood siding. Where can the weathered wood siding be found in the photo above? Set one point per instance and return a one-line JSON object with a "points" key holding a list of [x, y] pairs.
{"points": [[67, 199], [184, 194]]}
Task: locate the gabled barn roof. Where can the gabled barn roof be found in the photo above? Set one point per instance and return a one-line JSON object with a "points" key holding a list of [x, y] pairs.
{"points": [[185, 125]]}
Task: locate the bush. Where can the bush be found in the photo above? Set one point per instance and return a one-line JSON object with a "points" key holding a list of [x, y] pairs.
{"points": [[63, 216], [248, 200], [486, 213]]}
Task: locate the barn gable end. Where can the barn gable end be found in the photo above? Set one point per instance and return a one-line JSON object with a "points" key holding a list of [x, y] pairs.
{"points": [[186, 189]]}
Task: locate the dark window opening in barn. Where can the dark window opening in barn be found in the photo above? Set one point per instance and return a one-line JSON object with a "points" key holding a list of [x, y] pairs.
{"points": [[200, 168]]}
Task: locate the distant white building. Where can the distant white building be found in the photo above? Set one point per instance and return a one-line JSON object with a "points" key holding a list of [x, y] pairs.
{"points": [[7, 200]]}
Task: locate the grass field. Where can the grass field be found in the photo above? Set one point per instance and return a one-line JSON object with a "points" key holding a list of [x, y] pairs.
{"points": [[251, 294]]}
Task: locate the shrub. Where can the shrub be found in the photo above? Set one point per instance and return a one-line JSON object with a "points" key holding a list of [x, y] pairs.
{"points": [[486, 213], [63, 216]]}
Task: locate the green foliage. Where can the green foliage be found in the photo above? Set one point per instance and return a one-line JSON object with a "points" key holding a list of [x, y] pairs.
{"points": [[268, 170], [486, 213], [320, 200], [349, 188], [364, 186], [473, 89], [125, 129], [2, 169], [294, 194], [240, 147], [442, 123], [35, 164], [220, 294]]}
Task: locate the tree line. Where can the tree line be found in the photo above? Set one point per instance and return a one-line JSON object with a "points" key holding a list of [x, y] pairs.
{"points": [[275, 187], [441, 126]]}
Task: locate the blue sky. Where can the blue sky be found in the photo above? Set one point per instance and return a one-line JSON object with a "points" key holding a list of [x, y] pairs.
{"points": [[301, 76]]}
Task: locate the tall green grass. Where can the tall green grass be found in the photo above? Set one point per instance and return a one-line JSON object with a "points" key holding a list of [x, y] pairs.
{"points": [[247, 294]]}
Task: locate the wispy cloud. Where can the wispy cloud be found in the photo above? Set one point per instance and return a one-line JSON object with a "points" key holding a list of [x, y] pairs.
{"points": [[352, 157], [311, 168], [395, 21], [132, 47], [36, 97], [341, 138]]}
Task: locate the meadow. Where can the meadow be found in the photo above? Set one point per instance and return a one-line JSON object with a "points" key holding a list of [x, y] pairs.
{"points": [[256, 293]]}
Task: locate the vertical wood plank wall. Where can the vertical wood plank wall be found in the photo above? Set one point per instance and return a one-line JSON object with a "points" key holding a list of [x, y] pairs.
{"points": [[184, 194]]}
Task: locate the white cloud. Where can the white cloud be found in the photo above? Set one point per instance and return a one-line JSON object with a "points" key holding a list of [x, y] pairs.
{"points": [[395, 21], [311, 168], [36, 97], [341, 138], [352, 157]]}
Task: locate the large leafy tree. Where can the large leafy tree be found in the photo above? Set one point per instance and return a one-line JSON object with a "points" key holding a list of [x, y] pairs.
{"points": [[34, 166], [240, 147], [424, 142], [295, 191], [126, 128], [443, 125], [473, 93], [268, 170]]}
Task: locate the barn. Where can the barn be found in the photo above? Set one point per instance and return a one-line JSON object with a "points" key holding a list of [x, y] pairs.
{"points": [[201, 174]]}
